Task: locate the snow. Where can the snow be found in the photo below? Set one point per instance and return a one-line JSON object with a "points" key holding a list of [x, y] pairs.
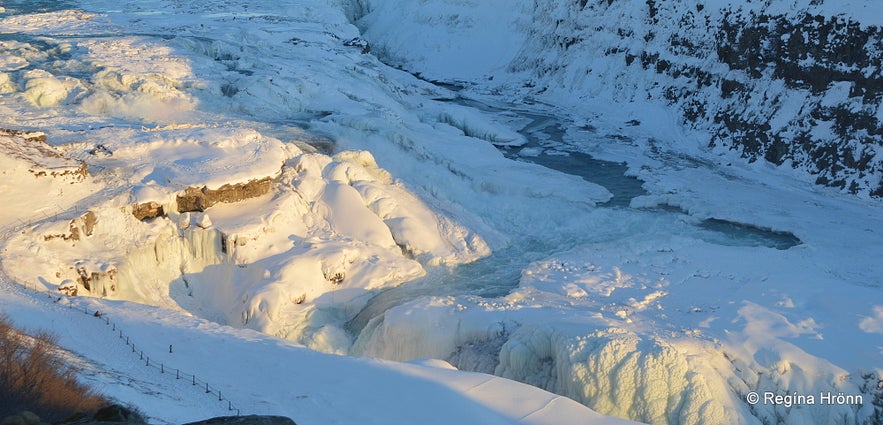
{"points": [[407, 218], [325, 215], [331, 230], [440, 36], [874, 322], [310, 387]]}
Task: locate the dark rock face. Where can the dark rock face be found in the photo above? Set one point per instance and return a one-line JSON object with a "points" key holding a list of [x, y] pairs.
{"points": [[199, 199], [246, 420], [794, 88], [117, 414], [817, 55], [113, 414]]}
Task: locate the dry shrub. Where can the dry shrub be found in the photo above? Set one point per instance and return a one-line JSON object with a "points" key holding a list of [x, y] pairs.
{"points": [[33, 376]]}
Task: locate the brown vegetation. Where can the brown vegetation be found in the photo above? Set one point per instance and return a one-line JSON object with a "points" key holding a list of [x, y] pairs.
{"points": [[34, 377]]}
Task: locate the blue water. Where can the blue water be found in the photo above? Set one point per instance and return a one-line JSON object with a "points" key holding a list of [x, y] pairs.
{"points": [[498, 274]]}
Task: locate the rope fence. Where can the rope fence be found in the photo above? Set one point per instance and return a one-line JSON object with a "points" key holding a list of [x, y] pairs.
{"points": [[72, 212], [159, 367]]}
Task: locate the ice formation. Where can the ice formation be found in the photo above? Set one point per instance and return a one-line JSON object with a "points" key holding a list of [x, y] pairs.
{"points": [[635, 311], [295, 262]]}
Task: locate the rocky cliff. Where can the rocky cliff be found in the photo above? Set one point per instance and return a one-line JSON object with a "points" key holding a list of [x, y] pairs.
{"points": [[793, 82]]}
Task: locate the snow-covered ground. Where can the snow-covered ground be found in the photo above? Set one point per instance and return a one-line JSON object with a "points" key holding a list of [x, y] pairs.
{"points": [[374, 214]]}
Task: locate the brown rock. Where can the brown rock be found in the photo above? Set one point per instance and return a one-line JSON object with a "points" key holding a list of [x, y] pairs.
{"points": [[148, 210], [201, 198]]}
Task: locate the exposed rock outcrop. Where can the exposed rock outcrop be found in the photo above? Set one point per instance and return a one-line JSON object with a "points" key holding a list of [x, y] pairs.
{"points": [[113, 414], [43, 159], [148, 210], [78, 228], [201, 198], [787, 85]]}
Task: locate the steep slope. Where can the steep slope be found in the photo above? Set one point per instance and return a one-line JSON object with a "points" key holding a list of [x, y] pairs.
{"points": [[793, 82]]}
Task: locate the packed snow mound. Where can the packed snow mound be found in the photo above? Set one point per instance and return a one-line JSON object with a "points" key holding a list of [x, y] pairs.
{"points": [[124, 77], [656, 336], [293, 262], [149, 81], [172, 158], [609, 369], [62, 21]]}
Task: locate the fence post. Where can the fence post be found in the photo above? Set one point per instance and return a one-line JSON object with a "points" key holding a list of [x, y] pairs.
{"points": [[141, 355]]}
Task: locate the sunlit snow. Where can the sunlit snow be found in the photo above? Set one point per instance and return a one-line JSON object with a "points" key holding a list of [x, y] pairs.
{"points": [[590, 248]]}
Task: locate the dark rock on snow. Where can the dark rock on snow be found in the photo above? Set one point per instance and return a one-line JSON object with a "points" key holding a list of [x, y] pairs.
{"points": [[246, 420]]}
